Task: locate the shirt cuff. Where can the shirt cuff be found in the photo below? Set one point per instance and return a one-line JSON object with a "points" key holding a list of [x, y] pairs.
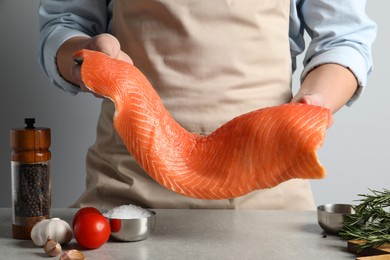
{"points": [[53, 42], [347, 57]]}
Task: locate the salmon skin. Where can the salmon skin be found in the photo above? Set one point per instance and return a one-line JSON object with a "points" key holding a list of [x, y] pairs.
{"points": [[257, 150]]}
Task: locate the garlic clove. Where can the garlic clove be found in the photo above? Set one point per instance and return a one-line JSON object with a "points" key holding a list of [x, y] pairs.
{"points": [[72, 254], [52, 248]]}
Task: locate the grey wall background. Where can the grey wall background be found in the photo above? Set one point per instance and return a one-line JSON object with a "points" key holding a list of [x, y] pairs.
{"points": [[356, 152]]}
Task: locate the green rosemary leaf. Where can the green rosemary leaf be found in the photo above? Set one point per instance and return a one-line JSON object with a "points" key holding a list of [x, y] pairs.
{"points": [[371, 221]]}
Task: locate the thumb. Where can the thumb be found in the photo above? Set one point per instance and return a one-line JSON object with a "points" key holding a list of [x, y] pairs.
{"points": [[105, 43], [312, 99], [109, 45]]}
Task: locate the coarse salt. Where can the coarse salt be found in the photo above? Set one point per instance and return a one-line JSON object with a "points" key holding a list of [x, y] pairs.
{"points": [[127, 212]]}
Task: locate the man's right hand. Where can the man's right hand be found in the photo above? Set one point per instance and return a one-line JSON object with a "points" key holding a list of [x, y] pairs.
{"points": [[70, 70]]}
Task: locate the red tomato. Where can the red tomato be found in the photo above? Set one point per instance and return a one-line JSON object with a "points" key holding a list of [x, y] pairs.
{"points": [[91, 230], [84, 211]]}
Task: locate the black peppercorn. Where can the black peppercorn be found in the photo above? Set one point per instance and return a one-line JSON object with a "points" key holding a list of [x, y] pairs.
{"points": [[33, 189]]}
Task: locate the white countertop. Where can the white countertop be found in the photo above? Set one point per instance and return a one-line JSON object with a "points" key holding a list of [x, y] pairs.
{"points": [[203, 234]]}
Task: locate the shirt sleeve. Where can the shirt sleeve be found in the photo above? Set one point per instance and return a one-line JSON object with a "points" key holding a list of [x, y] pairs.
{"points": [[60, 20], [341, 33]]}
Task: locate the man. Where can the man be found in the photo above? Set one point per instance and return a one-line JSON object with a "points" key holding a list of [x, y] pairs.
{"points": [[209, 61]]}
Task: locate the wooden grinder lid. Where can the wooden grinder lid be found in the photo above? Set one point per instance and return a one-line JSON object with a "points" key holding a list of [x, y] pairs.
{"points": [[30, 144]]}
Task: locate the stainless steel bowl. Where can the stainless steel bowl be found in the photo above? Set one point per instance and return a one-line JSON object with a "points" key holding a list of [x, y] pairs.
{"points": [[331, 216], [133, 229]]}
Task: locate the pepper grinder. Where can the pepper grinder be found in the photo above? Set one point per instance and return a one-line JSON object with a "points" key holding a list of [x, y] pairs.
{"points": [[31, 177]]}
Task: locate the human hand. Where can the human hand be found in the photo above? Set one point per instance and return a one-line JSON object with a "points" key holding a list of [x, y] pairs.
{"points": [[105, 43]]}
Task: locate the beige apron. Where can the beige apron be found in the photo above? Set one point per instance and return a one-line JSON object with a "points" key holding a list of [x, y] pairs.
{"points": [[209, 60]]}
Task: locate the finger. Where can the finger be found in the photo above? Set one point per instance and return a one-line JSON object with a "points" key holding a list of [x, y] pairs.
{"points": [[76, 74], [317, 100], [105, 43], [109, 45], [305, 100], [123, 56]]}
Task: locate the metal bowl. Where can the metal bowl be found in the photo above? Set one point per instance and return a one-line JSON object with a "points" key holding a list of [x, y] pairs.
{"points": [[129, 230], [331, 216]]}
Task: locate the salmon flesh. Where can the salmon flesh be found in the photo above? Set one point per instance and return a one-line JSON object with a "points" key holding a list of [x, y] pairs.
{"points": [[256, 150]]}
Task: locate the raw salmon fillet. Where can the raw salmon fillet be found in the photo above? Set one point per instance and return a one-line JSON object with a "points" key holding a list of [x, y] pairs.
{"points": [[253, 151]]}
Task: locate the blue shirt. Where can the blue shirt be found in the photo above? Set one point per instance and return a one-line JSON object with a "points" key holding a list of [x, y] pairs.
{"points": [[340, 32]]}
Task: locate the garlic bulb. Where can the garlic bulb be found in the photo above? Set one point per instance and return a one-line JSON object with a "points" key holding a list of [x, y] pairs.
{"points": [[54, 228]]}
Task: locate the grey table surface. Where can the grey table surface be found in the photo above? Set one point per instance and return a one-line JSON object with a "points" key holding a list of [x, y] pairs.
{"points": [[203, 234]]}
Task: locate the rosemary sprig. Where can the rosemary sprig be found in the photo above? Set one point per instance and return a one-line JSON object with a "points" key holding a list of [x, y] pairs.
{"points": [[371, 221]]}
